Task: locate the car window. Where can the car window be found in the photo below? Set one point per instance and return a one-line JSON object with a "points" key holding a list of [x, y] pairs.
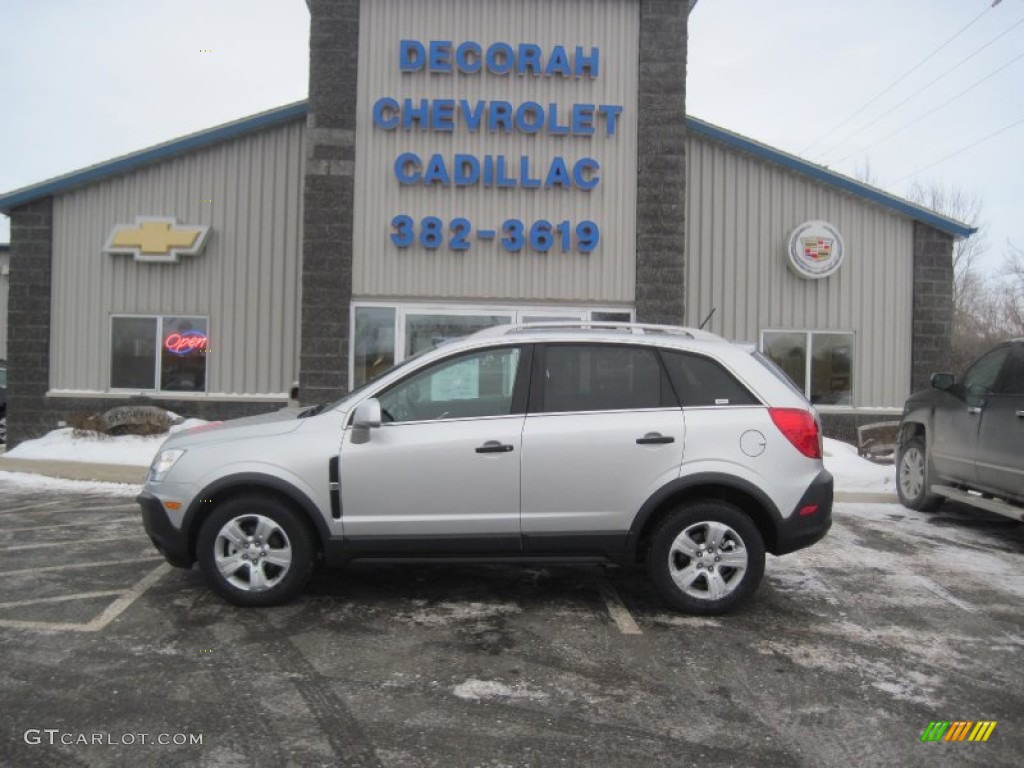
{"points": [[981, 377], [1012, 382], [472, 385], [603, 377], [700, 381]]}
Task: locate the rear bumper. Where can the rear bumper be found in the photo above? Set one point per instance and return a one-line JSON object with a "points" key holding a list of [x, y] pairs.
{"points": [[802, 530], [171, 542]]}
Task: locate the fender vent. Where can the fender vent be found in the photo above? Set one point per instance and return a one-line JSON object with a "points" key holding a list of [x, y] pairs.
{"points": [[334, 487]]}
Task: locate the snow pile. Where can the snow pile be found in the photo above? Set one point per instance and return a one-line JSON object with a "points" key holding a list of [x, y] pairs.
{"points": [[475, 690], [129, 450], [852, 473]]}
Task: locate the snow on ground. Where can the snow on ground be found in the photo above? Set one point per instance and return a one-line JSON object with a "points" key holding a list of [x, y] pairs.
{"points": [[62, 445], [26, 481], [852, 473]]}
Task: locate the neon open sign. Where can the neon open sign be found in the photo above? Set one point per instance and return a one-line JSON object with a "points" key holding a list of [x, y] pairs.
{"points": [[186, 342]]}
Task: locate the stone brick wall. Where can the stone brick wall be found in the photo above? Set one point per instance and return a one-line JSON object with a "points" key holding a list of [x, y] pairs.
{"points": [[28, 314], [931, 345], [327, 213], [661, 181]]}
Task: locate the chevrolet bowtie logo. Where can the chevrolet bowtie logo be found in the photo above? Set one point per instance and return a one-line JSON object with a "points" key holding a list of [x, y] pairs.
{"points": [[154, 238]]}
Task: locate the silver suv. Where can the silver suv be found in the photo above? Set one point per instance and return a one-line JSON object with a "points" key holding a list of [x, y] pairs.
{"points": [[555, 443]]}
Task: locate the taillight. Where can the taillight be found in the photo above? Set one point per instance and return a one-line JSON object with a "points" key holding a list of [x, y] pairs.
{"points": [[800, 428]]}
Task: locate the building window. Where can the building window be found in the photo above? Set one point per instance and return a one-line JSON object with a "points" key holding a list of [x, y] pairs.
{"points": [[164, 353], [385, 334], [820, 363], [374, 349]]}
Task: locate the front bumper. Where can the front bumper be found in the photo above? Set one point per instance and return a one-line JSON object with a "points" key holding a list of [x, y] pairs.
{"points": [[798, 531], [171, 542]]}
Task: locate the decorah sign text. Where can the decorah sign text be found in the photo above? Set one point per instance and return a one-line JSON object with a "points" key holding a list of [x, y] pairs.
{"points": [[470, 59]]}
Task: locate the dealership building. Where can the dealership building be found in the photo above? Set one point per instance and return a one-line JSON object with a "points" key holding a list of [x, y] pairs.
{"points": [[458, 164]]}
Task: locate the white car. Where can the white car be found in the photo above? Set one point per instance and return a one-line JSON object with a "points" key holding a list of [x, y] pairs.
{"points": [[556, 443]]}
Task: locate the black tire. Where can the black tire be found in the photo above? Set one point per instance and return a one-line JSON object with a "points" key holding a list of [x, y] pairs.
{"points": [[269, 532], [913, 476], [690, 527]]}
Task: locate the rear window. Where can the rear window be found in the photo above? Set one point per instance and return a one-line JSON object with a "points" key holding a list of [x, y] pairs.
{"points": [[700, 381]]}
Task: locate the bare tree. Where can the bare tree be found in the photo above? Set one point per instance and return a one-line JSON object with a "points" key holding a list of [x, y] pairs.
{"points": [[1011, 291]]}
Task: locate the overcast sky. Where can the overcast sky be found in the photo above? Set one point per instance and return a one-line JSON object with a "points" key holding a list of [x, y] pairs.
{"points": [[87, 81]]}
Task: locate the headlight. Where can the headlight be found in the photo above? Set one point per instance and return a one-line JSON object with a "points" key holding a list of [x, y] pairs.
{"points": [[163, 462]]}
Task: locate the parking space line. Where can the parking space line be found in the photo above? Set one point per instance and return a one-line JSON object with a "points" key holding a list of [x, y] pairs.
{"points": [[47, 568], [617, 609], [108, 615], [65, 525], [119, 606], [35, 506], [19, 547], [62, 598]]}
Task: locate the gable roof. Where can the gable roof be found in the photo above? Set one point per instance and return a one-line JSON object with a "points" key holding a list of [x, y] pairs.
{"points": [[831, 178], [299, 109], [155, 154]]}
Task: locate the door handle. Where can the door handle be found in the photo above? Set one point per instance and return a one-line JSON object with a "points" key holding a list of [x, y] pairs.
{"points": [[654, 438], [974, 410], [1020, 414], [493, 446]]}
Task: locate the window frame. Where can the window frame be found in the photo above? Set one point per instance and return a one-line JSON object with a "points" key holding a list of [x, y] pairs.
{"points": [[809, 359], [158, 361]]}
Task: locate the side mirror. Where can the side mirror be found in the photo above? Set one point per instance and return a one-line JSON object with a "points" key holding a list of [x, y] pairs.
{"points": [[367, 414], [943, 381]]}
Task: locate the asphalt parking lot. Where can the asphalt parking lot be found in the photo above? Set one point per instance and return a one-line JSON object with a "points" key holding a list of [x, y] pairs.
{"points": [[847, 653]]}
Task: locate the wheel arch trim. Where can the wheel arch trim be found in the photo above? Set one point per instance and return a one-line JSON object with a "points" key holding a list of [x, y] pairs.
{"points": [[242, 480], [702, 479]]}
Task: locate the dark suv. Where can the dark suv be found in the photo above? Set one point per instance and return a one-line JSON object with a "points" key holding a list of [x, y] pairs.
{"points": [[965, 439]]}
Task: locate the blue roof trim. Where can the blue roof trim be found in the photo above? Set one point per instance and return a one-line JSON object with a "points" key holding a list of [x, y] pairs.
{"points": [[299, 109], [822, 174], [155, 154]]}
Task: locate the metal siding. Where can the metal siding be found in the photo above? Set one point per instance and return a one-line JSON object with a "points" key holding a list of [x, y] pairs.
{"points": [[487, 271], [246, 280], [741, 211]]}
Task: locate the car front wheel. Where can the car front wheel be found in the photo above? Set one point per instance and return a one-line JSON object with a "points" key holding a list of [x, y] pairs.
{"points": [[912, 476], [706, 557], [255, 551]]}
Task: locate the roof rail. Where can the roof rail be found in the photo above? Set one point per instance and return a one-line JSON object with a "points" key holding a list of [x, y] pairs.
{"points": [[633, 328]]}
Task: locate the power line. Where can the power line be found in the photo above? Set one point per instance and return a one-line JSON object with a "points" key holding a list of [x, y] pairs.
{"points": [[897, 81], [922, 116], [961, 150], [925, 87]]}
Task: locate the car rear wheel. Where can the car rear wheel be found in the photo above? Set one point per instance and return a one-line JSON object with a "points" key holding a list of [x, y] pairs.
{"points": [[255, 551], [706, 558], [912, 477]]}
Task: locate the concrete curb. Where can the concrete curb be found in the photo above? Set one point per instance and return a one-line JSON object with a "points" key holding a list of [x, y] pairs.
{"points": [[76, 470], [866, 498]]}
